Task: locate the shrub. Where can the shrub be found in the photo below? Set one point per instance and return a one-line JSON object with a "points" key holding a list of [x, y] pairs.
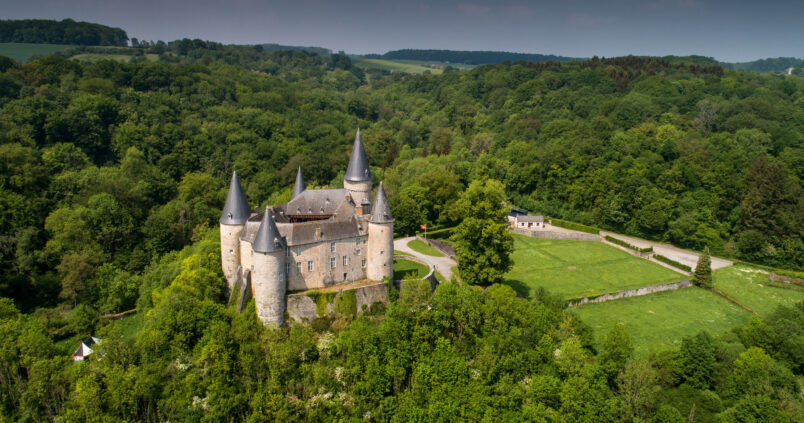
{"points": [[627, 245], [672, 262], [574, 226]]}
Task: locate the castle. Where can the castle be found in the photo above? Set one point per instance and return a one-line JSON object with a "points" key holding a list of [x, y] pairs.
{"points": [[319, 238]]}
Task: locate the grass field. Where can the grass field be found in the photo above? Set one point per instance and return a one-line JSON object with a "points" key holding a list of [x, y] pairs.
{"points": [[21, 52], [123, 58], [660, 321], [751, 287], [421, 247], [580, 268], [393, 66], [406, 269]]}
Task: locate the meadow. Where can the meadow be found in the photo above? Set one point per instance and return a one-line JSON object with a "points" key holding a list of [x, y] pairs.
{"points": [[575, 269], [21, 52], [660, 321], [393, 66], [751, 287], [422, 247], [122, 58], [406, 269]]}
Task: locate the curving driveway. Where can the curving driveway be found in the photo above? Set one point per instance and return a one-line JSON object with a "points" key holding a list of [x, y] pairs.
{"points": [[442, 265]]}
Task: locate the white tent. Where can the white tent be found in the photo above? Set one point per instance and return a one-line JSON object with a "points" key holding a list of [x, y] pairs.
{"points": [[84, 349]]}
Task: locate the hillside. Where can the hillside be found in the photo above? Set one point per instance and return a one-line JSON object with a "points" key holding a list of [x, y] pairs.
{"points": [[270, 47], [22, 52], [467, 57], [67, 31]]}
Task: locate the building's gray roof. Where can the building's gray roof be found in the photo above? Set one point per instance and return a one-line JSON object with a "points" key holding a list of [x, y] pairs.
{"points": [[320, 202], [530, 218], [299, 186], [236, 209], [381, 211], [358, 169], [305, 232], [268, 238]]}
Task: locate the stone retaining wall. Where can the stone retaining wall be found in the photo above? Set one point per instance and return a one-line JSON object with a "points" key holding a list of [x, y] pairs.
{"points": [[430, 276], [302, 308], [445, 247], [636, 292], [572, 236]]}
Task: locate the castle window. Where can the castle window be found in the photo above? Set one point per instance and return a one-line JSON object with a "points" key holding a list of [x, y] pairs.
{"points": [[287, 251], [287, 268], [357, 252], [381, 252], [363, 263], [298, 267], [309, 265], [298, 251], [231, 251], [332, 262], [331, 247], [345, 261]]}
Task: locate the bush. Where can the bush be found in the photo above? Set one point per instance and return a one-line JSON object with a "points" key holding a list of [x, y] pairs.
{"points": [[574, 226], [443, 233], [672, 262], [346, 303], [627, 245]]}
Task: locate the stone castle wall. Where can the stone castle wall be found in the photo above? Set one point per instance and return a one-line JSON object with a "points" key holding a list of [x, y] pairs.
{"points": [[303, 309], [230, 252], [627, 293], [361, 191], [323, 274], [380, 252], [269, 286]]}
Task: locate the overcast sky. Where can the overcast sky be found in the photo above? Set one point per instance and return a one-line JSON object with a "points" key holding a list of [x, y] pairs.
{"points": [[736, 30]]}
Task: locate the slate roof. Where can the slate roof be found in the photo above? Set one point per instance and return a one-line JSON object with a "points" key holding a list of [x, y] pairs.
{"points": [[358, 169], [320, 202], [268, 238], [299, 186], [236, 209], [305, 232], [381, 211]]}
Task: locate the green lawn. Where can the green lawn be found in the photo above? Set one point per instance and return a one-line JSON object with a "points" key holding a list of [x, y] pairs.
{"points": [[659, 321], [575, 269], [422, 247], [751, 287], [406, 269], [21, 52], [393, 66]]}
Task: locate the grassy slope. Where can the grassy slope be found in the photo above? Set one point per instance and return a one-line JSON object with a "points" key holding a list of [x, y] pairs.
{"points": [[659, 321], [421, 247], [599, 268], [123, 58], [393, 66], [21, 52], [406, 269], [750, 287]]}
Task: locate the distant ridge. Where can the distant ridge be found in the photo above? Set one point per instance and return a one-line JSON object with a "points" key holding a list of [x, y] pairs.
{"points": [[269, 47], [776, 64], [468, 57], [67, 31]]}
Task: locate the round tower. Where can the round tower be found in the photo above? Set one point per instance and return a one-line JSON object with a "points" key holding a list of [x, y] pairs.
{"points": [[269, 279], [358, 176], [380, 253], [233, 219]]}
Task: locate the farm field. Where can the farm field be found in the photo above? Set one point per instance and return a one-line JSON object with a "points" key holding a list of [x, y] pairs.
{"points": [[21, 52], [406, 269], [580, 268], [421, 247], [751, 287], [393, 66], [660, 321], [123, 58]]}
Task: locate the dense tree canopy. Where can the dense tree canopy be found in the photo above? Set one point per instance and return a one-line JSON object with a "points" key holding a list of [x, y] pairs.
{"points": [[67, 31]]}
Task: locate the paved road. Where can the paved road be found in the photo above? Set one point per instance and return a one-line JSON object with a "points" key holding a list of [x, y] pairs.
{"points": [[690, 258], [442, 265]]}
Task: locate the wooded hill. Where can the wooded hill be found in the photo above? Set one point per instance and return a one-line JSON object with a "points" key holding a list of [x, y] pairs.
{"points": [[66, 31], [468, 57]]}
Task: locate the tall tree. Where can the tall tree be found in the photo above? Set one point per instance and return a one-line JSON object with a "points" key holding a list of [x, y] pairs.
{"points": [[703, 270]]}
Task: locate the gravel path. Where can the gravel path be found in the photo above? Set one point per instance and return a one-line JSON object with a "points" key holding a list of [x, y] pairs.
{"points": [[690, 258], [442, 265]]}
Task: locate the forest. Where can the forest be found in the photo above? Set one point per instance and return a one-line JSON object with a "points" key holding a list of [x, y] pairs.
{"points": [[113, 175], [66, 31], [468, 57]]}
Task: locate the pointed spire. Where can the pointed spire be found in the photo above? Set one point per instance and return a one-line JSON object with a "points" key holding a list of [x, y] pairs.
{"points": [[381, 211], [358, 169], [299, 186], [268, 238], [236, 209]]}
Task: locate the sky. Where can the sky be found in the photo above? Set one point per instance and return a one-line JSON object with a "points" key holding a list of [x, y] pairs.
{"points": [[736, 30]]}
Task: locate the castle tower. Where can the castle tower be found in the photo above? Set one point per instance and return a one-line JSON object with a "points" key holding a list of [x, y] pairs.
{"points": [[233, 219], [380, 253], [299, 186], [358, 176], [269, 279]]}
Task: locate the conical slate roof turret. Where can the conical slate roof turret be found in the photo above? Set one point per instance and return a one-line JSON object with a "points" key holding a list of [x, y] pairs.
{"points": [[268, 238], [299, 186], [381, 211], [236, 209], [358, 169]]}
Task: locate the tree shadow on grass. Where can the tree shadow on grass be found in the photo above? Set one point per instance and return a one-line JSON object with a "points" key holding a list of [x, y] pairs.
{"points": [[521, 289]]}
